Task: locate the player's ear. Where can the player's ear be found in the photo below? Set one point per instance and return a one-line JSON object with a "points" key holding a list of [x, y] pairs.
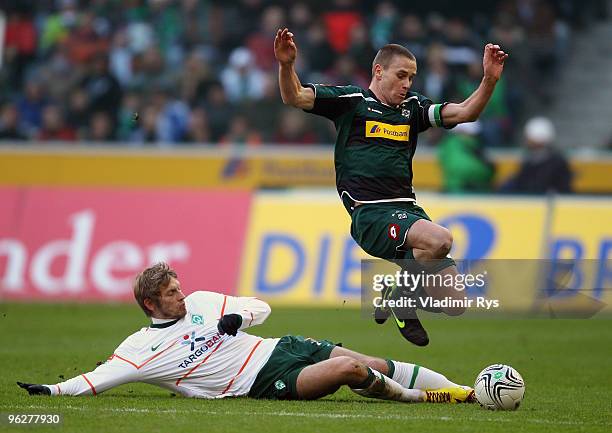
{"points": [[378, 70], [148, 302]]}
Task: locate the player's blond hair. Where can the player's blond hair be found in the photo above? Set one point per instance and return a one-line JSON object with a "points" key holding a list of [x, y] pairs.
{"points": [[149, 283]]}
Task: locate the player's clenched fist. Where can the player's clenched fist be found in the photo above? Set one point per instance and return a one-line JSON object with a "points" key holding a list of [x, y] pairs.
{"points": [[284, 46], [229, 324], [34, 389]]}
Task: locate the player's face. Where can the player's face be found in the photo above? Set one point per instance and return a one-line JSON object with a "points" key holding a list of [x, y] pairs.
{"points": [[171, 303], [396, 79]]}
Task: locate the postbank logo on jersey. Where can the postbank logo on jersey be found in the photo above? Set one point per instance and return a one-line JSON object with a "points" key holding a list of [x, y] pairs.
{"points": [[384, 130]]}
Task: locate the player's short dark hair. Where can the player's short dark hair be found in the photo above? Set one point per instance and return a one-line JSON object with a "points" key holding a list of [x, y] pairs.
{"points": [[149, 283], [386, 54]]}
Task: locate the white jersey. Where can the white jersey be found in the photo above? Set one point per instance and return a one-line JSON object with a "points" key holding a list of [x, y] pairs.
{"points": [[188, 356]]}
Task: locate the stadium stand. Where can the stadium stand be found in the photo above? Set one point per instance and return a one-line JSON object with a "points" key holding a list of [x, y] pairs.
{"points": [[204, 71]]}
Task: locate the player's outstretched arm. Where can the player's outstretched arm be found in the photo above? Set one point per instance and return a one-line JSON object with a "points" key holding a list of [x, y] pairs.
{"points": [[292, 91], [112, 373], [469, 110]]}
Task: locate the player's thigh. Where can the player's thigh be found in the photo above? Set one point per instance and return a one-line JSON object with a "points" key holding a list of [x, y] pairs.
{"points": [[380, 230], [373, 362], [427, 235], [325, 377]]}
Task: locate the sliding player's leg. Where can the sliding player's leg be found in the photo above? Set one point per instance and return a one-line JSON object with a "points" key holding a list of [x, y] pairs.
{"points": [[325, 377], [408, 375]]}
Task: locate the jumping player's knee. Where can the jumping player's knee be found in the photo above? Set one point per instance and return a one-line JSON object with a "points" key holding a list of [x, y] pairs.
{"points": [[442, 244]]}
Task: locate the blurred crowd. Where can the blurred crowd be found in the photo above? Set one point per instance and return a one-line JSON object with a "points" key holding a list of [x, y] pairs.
{"points": [[203, 71]]}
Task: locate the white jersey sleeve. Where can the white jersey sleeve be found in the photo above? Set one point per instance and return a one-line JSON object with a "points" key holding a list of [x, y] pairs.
{"points": [[253, 311], [112, 373]]}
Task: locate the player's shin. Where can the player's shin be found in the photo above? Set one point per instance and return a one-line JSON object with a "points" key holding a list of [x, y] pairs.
{"points": [[377, 385], [416, 377]]}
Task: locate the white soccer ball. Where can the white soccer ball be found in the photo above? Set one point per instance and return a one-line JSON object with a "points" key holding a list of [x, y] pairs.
{"points": [[499, 387]]}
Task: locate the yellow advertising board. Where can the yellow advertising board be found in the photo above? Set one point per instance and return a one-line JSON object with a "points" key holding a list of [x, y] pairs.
{"points": [[299, 251], [228, 167]]}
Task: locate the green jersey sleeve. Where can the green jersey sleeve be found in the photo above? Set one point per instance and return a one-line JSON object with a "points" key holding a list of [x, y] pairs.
{"points": [[334, 101], [430, 114]]}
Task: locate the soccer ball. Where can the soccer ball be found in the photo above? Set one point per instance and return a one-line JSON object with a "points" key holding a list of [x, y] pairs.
{"points": [[499, 387]]}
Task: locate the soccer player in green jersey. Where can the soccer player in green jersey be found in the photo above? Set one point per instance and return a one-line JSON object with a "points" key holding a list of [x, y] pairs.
{"points": [[377, 136]]}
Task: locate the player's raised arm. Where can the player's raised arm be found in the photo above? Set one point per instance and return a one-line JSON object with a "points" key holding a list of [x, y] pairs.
{"points": [[469, 110], [292, 91]]}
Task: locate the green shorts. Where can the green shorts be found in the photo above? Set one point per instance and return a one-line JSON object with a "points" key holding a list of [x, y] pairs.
{"points": [[277, 379], [380, 229]]}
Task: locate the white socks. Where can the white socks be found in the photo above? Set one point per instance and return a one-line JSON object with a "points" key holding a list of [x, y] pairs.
{"points": [[417, 377], [385, 388]]}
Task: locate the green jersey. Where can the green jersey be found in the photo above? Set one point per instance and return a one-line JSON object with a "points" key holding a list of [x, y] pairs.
{"points": [[376, 142]]}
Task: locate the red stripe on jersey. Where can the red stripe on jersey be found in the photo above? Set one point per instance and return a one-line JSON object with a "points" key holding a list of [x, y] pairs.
{"points": [[223, 307], [90, 385], [251, 319], [241, 368], [202, 362], [59, 390]]}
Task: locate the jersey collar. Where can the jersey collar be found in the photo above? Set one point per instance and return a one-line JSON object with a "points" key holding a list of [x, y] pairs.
{"points": [[370, 93], [162, 323]]}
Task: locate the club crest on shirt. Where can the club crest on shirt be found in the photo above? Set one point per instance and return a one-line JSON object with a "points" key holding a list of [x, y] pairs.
{"points": [[405, 112], [197, 319]]}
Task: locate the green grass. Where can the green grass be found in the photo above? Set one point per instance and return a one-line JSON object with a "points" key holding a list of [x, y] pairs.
{"points": [[566, 365]]}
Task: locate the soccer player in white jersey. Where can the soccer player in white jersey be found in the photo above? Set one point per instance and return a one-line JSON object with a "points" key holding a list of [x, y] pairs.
{"points": [[196, 346]]}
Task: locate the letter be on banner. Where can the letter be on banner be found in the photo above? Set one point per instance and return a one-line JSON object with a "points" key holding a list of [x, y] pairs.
{"points": [[565, 276], [281, 244]]}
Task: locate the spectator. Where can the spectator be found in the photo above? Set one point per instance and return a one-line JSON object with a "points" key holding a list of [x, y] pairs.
{"points": [[9, 123], [261, 43], [131, 106], [318, 51], [19, 44], [465, 168], [173, 116], [241, 133], [339, 21], [411, 34], [219, 110], [78, 113], [241, 79], [100, 127], [54, 127], [383, 24], [146, 132], [58, 75], [361, 50], [293, 129], [30, 107], [85, 41], [495, 120], [102, 88], [56, 26], [196, 79], [197, 128], [543, 169], [437, 82]]}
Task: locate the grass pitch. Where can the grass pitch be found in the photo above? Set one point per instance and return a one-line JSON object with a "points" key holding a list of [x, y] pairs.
{"points": [[566, 365]]}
